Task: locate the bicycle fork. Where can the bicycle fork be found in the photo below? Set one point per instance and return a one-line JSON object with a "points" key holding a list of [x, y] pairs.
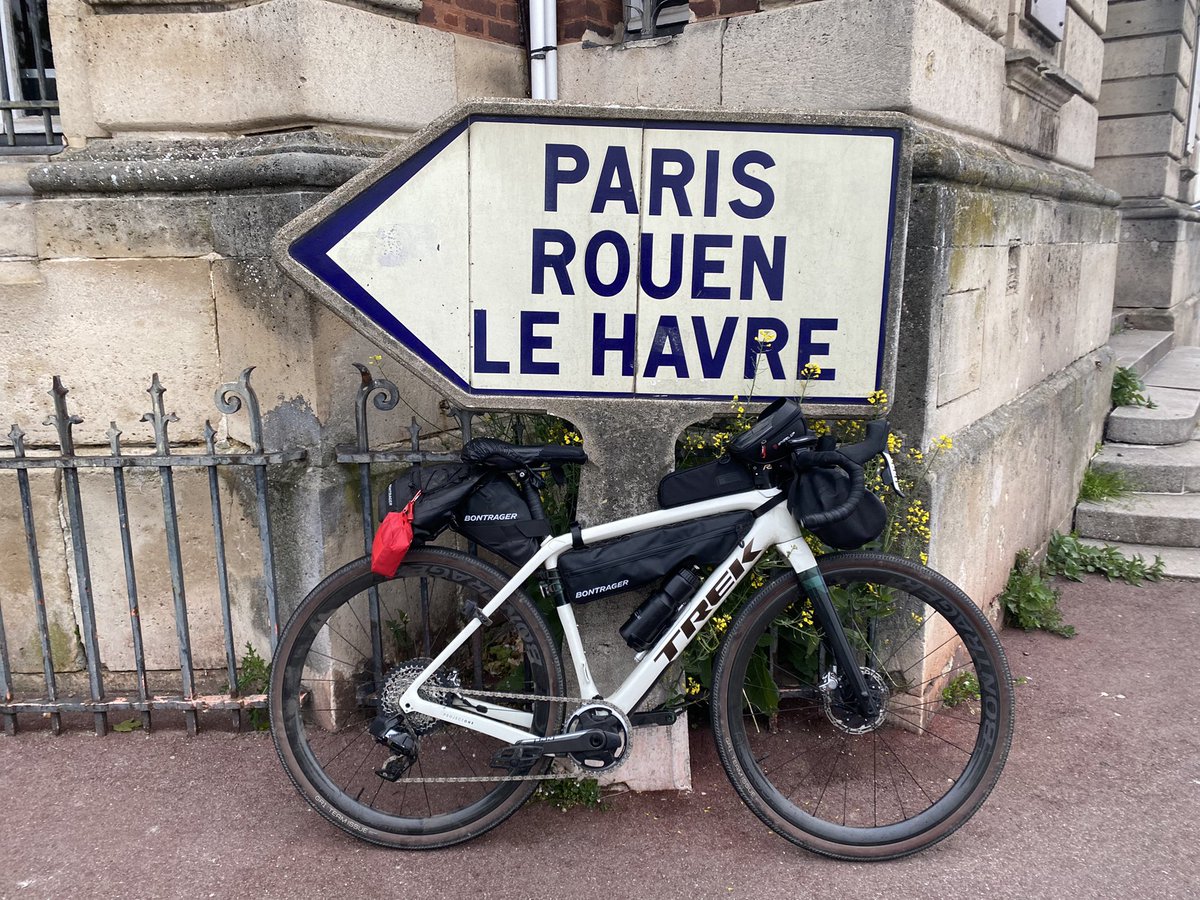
{"points": [[854, 690]]}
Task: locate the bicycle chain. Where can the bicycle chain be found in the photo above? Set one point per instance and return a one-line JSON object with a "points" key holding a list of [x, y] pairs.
{"points": [[580, 772]]}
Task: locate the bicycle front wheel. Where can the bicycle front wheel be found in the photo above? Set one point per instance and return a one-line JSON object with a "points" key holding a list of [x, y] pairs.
{"points": [[821, 774], [331, 678]]}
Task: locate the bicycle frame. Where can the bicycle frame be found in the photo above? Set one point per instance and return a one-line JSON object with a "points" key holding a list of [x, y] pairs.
{"points": [[774, 528]]}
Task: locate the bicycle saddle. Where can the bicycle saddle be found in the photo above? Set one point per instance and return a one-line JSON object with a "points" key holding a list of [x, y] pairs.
{"points": [[510, 457]]}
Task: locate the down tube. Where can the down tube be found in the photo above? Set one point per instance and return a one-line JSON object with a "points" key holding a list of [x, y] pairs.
{"points": [[776, 528]]}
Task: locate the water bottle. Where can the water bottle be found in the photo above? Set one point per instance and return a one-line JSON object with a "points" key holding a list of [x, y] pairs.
{"points": [[646, 624]]}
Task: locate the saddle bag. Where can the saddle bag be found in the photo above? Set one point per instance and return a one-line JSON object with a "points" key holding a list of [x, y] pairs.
{"points": [[819, 490], [496, 516], [719, 478], [443, 488], [613, 567]]}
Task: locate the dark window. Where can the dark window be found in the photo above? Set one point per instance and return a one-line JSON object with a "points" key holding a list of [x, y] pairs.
{"points": [[28, 90]]}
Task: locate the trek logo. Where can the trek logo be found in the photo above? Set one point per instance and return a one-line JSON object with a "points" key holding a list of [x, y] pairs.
{"points": [[726, 583], [491, 517], [603, 589]]}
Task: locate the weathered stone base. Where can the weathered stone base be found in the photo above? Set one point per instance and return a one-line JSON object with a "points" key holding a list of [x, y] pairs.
{"points": [[1182, 319], [1159, 262]]}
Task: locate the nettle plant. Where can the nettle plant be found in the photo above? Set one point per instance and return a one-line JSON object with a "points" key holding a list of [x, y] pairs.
{"points": [[908, 533]]}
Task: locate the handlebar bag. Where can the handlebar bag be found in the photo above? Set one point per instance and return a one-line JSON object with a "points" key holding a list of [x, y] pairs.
{"points": [[613, 567], [719, 478], [819, 490], [496, 516], [442, 487], [766, 440]]}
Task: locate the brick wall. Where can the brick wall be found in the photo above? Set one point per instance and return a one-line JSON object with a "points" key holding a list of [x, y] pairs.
{"points": [[501, 20], [491, 20]]}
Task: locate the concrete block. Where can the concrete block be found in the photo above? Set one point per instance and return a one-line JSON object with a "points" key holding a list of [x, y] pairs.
{"points": [[1182, 320], [106, 326], [1139, 350], [1172, 520], [18, 236], [990, 16], [1161, 230], [156, 599], [1150, 17], [1083, 54], [1161, 133], [68, 33], [1170, 469], [659, 760], [1172, 419], [1178, 562], [1160, 54], [124, 226], [1097, 281], [1139, 176], [16, 585], [1094, 12], [1179, 369], [1076, 140], [810, 56], [271, 65], [243, 225], [1149, 94], [1035, 446], [1145, 273], [961, 345], [488, 69], [682, 71]]}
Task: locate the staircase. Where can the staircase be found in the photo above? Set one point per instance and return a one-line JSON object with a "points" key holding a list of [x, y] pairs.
{"points": [[1158, 452]]}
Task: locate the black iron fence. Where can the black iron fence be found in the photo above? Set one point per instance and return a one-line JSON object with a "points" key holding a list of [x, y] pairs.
{"points": [[164, 461], [230, 399], [28, 85]]}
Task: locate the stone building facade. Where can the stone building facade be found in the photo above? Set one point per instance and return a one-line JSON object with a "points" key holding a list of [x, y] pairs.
{"points": [[193, 132]]}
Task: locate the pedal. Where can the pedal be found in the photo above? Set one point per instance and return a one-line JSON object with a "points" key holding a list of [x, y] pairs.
{"points": [[516, 756]]}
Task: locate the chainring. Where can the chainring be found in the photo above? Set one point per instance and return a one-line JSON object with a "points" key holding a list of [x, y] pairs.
{"points": [[607, 718]]}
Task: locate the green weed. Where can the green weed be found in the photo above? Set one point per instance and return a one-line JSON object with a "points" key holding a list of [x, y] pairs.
{"points": [[567, 793], [961, 689], [1069, 557], [1127, 389], [1030, 601], [254, 677], [1099, 485]]}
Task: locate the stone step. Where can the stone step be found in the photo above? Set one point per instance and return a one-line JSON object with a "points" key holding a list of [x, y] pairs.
{"points": [[1172, 520], [1140, 350], [1179, 369], [1173, 419], [1178, 562], [1169, 469]]}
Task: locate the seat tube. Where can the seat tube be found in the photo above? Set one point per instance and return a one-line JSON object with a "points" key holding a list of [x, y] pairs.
{"points": [[566, 615], [812, 582]]}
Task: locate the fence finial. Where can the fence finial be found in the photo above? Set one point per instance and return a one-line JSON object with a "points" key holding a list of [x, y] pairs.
{"points": [[62, 420], [159, 417], [232, 396], [387, 395]]}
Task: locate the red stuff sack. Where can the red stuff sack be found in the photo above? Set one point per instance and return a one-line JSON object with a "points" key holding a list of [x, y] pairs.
{"points": [[392, 540]]}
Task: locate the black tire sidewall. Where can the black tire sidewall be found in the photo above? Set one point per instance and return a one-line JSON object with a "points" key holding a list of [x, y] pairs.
{"points": [[745, 628], [356, 577]]}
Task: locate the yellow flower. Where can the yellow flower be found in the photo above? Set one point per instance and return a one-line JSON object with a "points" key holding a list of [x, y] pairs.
{"points": [[944, 443], [915, 454], [765, 336], [894, 443], [374, 360], [877, 398], [810, 370], [693, 687]]}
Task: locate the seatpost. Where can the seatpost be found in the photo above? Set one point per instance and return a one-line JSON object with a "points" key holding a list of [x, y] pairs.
{"points": [[530, 482]]}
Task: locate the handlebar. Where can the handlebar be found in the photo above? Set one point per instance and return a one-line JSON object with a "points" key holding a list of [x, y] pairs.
{"points": [[832, 459]]}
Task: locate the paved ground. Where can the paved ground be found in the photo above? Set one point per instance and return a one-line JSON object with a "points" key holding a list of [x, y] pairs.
{"points": [[1101, 798]]}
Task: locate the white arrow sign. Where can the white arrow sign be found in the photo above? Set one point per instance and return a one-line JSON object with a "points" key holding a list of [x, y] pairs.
{"points": [[653, 257]]}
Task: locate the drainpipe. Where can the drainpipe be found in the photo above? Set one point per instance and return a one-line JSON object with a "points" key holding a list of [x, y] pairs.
{"points": [[543, 49]]}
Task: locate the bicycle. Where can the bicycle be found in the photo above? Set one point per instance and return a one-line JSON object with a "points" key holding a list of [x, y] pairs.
{"points": [[862, 705]]}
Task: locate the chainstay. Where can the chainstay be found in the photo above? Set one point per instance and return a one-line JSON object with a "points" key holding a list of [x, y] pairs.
{"points": [[579, 772]]}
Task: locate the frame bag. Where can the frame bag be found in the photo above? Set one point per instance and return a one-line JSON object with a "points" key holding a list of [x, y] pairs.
{"points": [[719, 478], [613, 567]]}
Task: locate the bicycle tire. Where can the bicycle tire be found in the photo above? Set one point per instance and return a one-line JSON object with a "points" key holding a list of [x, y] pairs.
{"points": [[909, 778], [324, 655]]}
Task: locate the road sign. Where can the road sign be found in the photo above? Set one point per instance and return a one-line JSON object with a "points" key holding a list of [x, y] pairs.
{"points": [[555, 251]]}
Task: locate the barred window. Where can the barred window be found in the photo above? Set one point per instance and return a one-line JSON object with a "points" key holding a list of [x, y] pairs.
{"points": [[28, 91]]}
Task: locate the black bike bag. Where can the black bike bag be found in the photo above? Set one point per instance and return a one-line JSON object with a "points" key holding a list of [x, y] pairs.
{"points": [[443, 487], [819, 490], [719, 478], [592, 573], [495, 515], [766, 441]]}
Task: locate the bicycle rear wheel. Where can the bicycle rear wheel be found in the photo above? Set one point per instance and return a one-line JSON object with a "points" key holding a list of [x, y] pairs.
{"points": [[816, 771], [325, 692]]}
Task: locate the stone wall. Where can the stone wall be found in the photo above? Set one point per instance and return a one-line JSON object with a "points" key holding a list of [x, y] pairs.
{"points": [[1143, 153]]}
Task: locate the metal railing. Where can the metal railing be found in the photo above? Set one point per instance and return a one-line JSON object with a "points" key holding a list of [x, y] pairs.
{"points": [[230, 398], [28, 85]]}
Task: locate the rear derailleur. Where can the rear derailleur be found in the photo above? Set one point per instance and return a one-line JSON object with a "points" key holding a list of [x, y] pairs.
{"points": [[393, 733]]}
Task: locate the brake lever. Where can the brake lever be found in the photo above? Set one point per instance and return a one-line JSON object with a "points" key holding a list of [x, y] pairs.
{"points": [[889, 474]]}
